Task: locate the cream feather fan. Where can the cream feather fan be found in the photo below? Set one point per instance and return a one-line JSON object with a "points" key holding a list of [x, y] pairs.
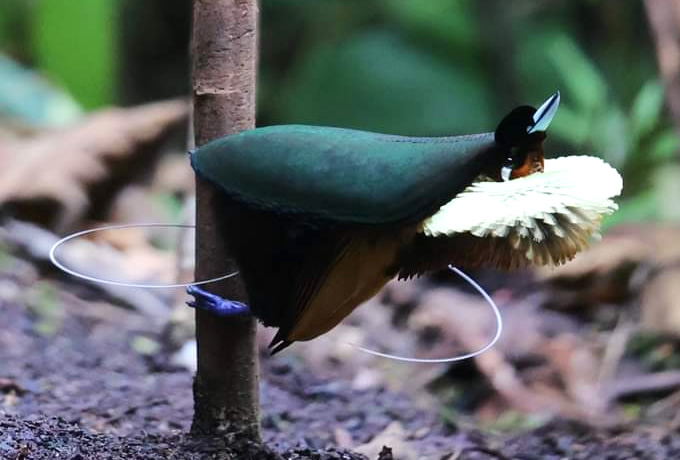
{"points": [[548, 217]]}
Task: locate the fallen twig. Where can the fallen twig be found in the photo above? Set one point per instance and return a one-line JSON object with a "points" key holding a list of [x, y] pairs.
{"points": [[643, 384]]}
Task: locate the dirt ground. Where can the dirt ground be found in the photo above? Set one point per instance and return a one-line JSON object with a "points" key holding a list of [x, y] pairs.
{"points": [[74, 385]]}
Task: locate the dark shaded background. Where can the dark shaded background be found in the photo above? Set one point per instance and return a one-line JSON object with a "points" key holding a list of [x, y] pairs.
{"points": [[422, 68], [595, 339]]}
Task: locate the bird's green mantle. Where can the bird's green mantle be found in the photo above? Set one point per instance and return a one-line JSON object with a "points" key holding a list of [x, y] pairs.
{"points": [[319, 218], [340, 174]]}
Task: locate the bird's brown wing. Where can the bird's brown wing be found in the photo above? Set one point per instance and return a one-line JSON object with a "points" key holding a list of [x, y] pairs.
{"points": [[357, 272], [305, 278], [327, 290]]}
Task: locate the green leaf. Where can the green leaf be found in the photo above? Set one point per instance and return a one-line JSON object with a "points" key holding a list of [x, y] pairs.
{"points": [[378, 81], [13, 27], [609, 135], [640, 208], [42, 300], [570, 126], [646, 110], [667, 188], [584, 84], [536, 77], [27, 96], [75, 44], [664, 146], [450, 22], [144, 345]]}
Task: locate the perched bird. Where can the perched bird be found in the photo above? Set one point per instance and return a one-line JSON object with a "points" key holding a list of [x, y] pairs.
{"points": [[319, 219]]}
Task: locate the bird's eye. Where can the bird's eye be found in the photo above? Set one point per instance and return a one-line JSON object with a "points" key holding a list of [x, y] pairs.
{"points": [[515, 157]]}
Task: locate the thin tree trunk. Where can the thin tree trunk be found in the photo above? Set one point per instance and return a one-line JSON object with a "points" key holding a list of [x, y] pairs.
{"points": [[664, 19], [224, 60]]}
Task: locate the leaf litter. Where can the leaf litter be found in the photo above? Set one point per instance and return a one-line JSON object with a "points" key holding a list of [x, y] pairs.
{"points": [[586, 366]]}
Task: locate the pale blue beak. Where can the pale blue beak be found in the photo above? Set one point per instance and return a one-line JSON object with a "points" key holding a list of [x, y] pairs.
{"points": [[545, 114]]}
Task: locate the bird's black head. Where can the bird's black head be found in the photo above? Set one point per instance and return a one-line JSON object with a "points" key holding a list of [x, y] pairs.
{"points": [[519, 139]]}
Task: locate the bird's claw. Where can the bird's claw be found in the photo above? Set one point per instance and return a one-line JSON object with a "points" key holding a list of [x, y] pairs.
{"points": [[214, 303]]}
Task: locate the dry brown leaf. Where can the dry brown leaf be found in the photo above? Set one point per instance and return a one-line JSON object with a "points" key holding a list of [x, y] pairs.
{"points": [[464, 323], [55, 177], [466, 320], [173, 176], [660, 302], [393, 436], [579, 369], [343, 438], [636, 260], [659, 245], [102, 261]]}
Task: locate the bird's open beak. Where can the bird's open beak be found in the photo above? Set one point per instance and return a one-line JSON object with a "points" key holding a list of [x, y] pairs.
{"points": [[545, 114]]}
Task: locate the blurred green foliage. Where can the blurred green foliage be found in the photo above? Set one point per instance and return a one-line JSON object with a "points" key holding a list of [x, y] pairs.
{"points": [[412, 67], [398, 88], [71, 42], [25, 95], [14, 15], [42, 300], [654, 351], [75, 44]]}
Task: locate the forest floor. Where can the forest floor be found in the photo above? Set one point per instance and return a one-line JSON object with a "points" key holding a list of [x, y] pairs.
{"points": [[87, 380]]}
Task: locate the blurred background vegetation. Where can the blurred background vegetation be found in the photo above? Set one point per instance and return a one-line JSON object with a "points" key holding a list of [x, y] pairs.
{"points": [[413, 67], [430, 67]]}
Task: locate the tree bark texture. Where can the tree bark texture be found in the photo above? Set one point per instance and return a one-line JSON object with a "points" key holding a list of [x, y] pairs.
{"points": [[224, 61], [664, 18]]}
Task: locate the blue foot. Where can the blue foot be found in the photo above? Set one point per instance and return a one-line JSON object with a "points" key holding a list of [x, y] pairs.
{"points": [[214, 303]]}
